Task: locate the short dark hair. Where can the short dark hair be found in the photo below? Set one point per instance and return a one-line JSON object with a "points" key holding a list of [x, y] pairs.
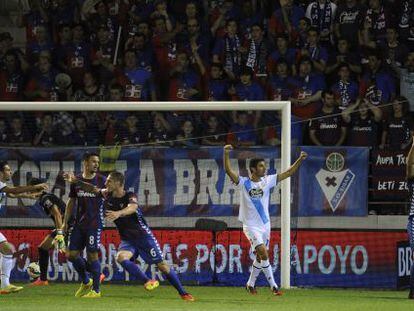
{"points": [[3, 165], [35, 181], [118, 176], [326, 92], [87, 155], [253, 163]]}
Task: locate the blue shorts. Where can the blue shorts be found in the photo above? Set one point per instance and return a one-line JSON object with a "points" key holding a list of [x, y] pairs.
{"points": [[410, 230], [80, 238], [147, 247]]}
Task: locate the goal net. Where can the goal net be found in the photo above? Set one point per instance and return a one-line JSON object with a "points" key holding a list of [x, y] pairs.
{"points": [[172, 157]]}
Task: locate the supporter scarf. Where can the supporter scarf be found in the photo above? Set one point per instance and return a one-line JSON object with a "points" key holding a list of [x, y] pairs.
{"points": [[344, 93], [377, 20], [232, 54], [321, 17], [256, 58]]}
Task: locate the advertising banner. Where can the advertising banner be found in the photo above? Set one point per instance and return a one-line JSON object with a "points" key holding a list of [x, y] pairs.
{"points": [[319, 258]]}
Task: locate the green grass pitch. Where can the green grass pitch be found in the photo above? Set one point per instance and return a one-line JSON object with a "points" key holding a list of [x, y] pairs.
{"points": [[60, 297]]}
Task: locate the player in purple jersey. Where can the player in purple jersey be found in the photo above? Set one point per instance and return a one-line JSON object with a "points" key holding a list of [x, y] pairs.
{"points": [[87, 228], [410, 226], [136, 237]]}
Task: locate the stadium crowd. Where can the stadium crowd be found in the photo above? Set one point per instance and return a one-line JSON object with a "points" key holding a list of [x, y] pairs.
{"points": [[348, 66]]}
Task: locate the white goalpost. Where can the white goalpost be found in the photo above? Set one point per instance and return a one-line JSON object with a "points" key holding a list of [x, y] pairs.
{"points": [[284, 106]]}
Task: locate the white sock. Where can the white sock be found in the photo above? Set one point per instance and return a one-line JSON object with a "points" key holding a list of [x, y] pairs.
{"points": [[267, 270], [6, 267], [256, 269]]}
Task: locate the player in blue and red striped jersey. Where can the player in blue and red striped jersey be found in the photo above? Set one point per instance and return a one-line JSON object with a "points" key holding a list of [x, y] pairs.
{"points": [[87, 228], [136, 237], [410, 225]]}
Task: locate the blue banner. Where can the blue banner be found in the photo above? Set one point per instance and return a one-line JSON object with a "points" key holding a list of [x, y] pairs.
{"points": [[333, 182]]}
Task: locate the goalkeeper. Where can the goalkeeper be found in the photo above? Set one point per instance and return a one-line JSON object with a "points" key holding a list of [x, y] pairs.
{"points": [[55, 208]]}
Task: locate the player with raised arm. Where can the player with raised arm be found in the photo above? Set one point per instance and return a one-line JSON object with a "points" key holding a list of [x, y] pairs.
{"points": [[5, 248], [410, 225], [136, 237], [254, 212], [87, 228], [53, 207]]}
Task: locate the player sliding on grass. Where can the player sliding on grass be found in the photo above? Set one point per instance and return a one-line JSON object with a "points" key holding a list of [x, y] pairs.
{"points": [[136, 237], [5, 248], [254, 212], [54, 207]]}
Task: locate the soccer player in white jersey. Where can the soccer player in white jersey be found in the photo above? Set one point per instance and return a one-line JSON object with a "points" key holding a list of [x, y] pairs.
{"points": [[254, 212], [5, 248]]}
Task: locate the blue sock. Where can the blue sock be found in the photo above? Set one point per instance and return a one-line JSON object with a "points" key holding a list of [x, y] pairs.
{"points": [[80, 266], [133, 269], [173, 279], [412, 277], [95, 268]]}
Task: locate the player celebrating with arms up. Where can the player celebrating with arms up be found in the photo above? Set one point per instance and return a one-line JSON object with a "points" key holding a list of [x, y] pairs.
{"points": [[136, 237], [254, 212], [5, 248], [87, 228]]}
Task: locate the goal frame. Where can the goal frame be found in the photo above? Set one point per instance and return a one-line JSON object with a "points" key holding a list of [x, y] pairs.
{"points": [[284, 106]]}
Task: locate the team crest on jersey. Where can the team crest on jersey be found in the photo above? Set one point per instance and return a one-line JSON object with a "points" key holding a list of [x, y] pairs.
{"points": [[256, 193], [335, 181]]}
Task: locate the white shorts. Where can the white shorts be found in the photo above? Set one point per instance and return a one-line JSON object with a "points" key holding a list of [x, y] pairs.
{"points": [[2, 238], [257, 236]]}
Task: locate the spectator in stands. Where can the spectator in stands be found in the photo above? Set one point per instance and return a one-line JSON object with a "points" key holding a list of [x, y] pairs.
{"points": [[406, 23], [215, 84], [278, 87], [317, 53], [250, 15], [4, 133], [187, 136], [377, 84], [6, 47], [220, 15], [159, 132], [394, 51], [406, 75], [247, 89], [90, 91], [343, 54], [194, 37], [362, 119], [283, 51], [346, 90], [398, 129], [41, 43], [18, 135], [348, 20], [103, 54], [376, 20], [329, 130], [83, 134], [307, 88], [64, 43], [12, 79], [63, 122], [137, 82], [46, 135], [302, 37], [36, 17], [184, 82], [42, 81], [227, 50], [242, 132], [100, 18], [285, 20], [130, 133], [322, 13], [256, 51], [143, 51], [213, 133], [63, 12]]}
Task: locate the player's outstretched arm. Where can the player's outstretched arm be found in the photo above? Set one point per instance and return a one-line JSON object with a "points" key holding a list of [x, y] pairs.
{"points": [[13, 190], [410, 162], [25, 195], [130, 209], [71, 178], [294, 167], [68, 213], [226, 159]]}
